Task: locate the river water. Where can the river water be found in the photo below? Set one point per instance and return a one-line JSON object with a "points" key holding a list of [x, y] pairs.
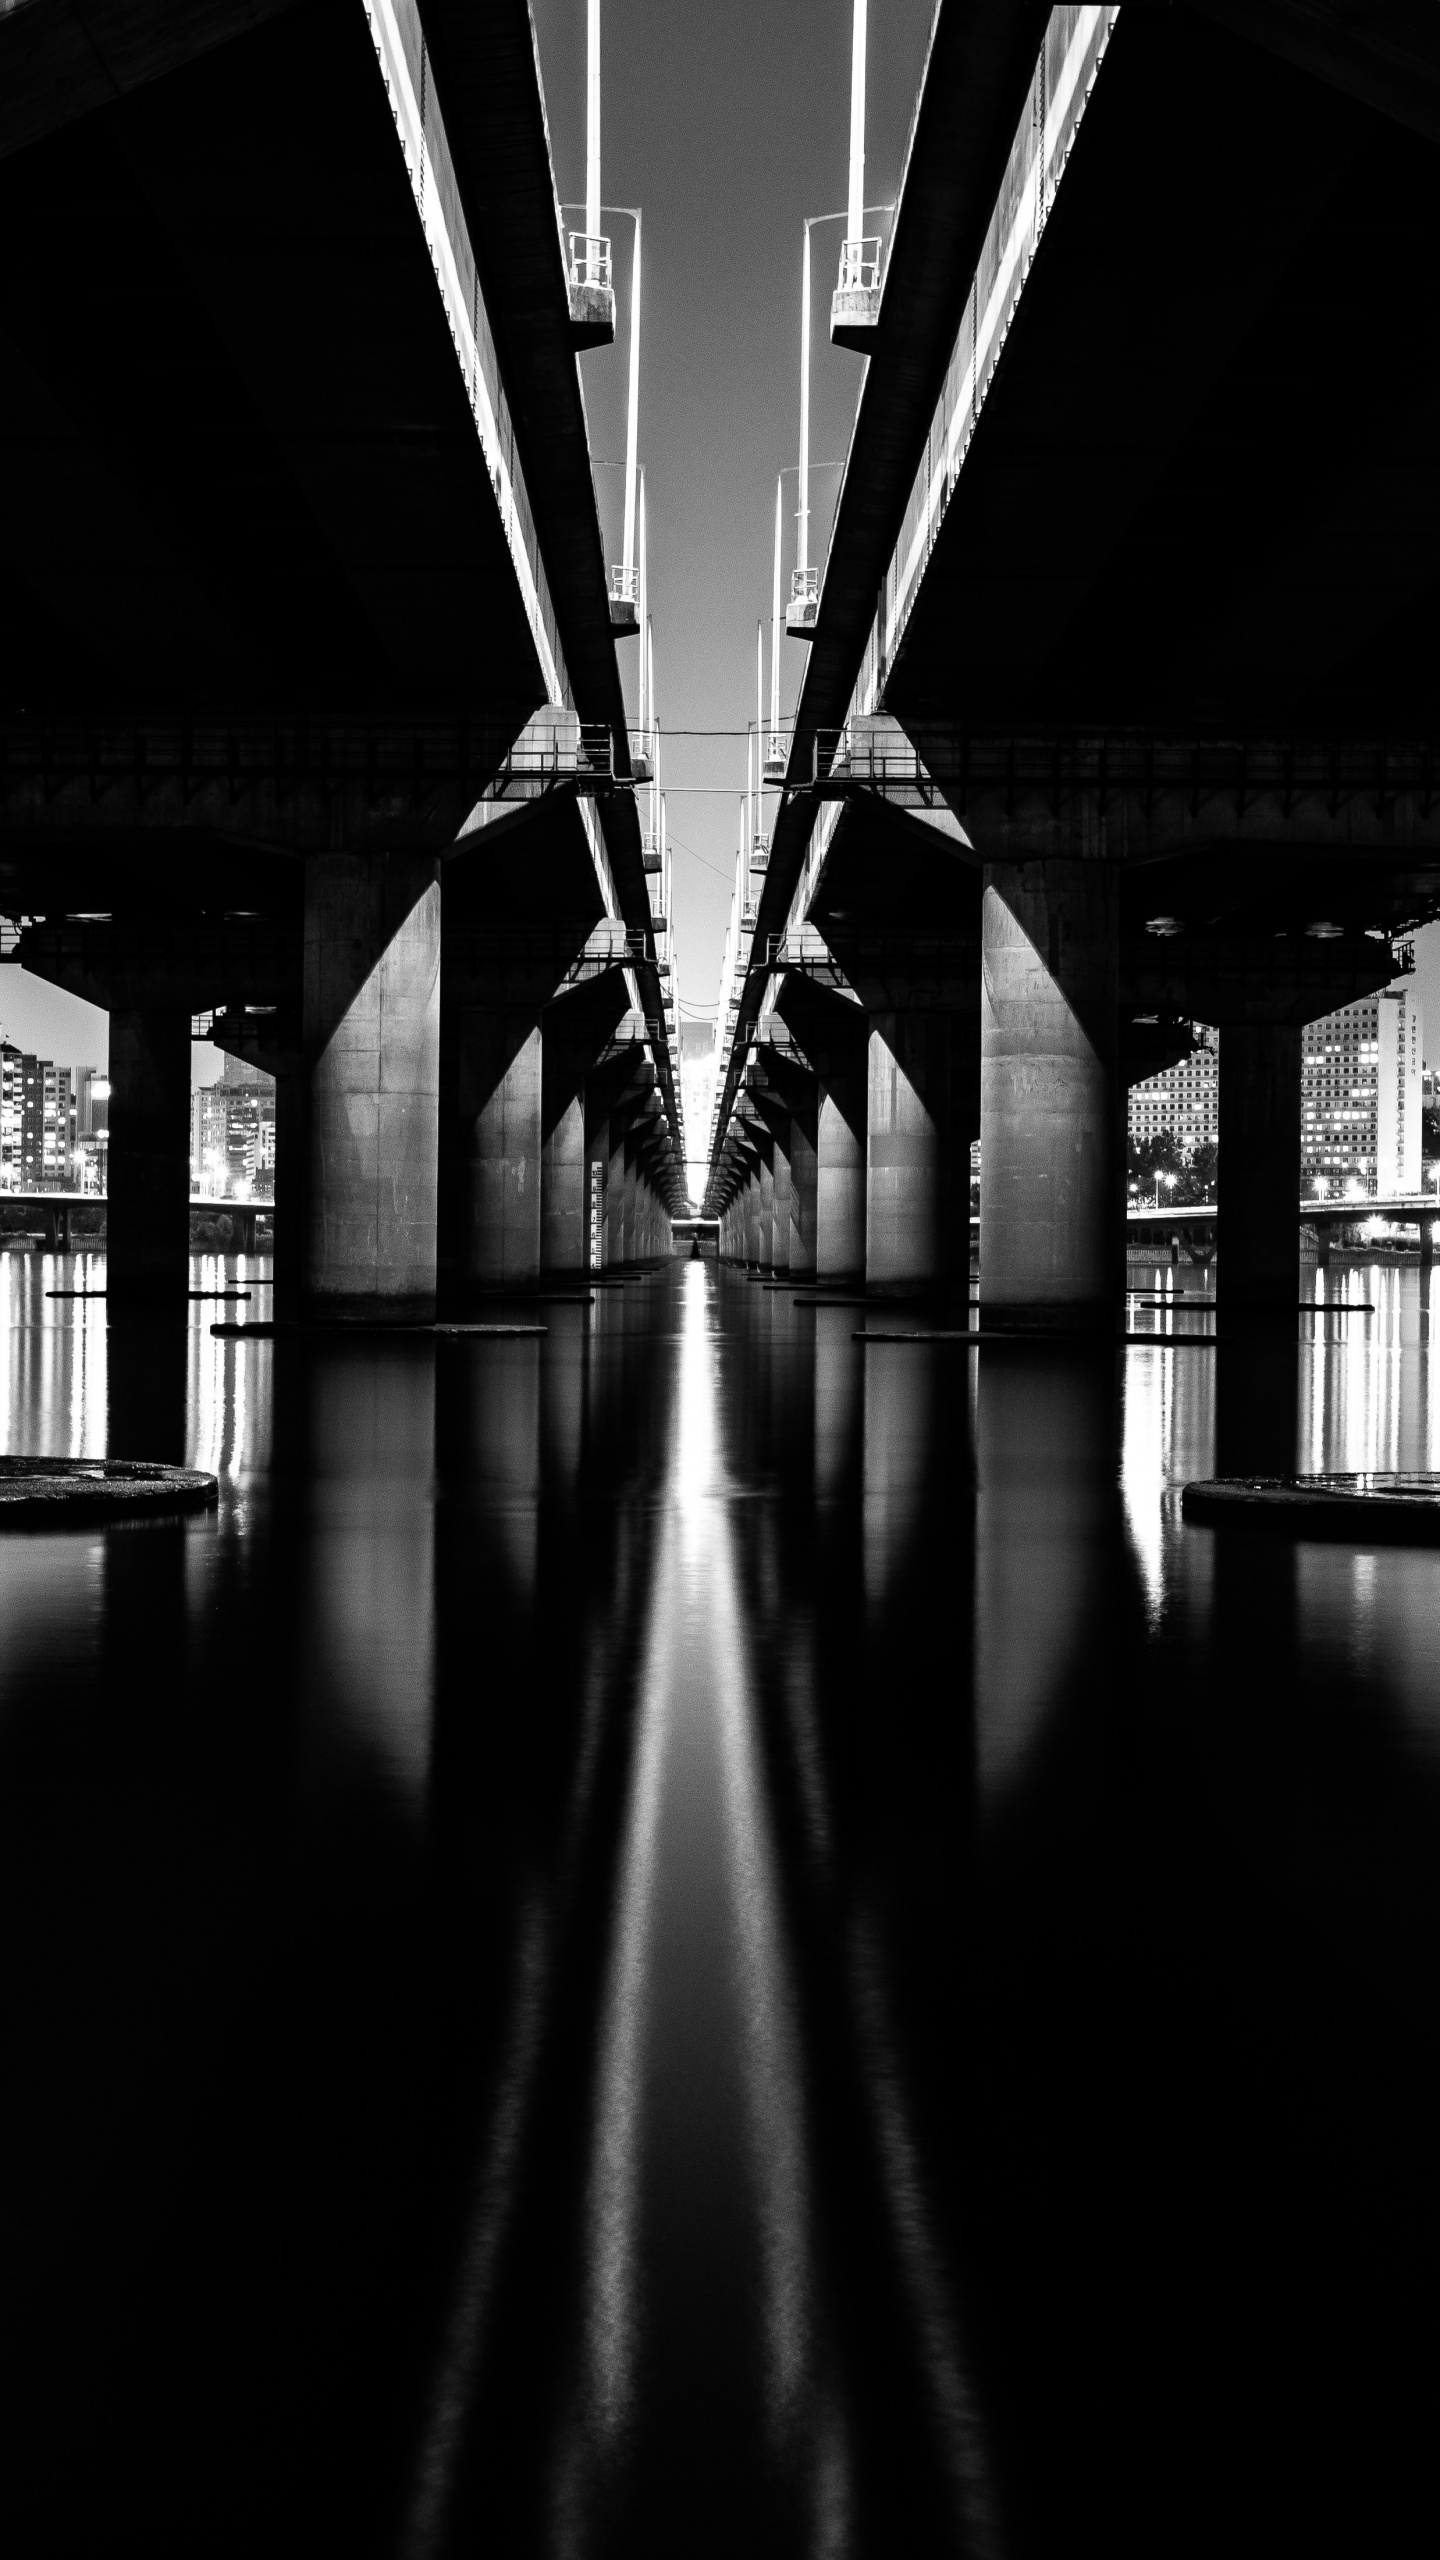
{"points": [[688, 1937]]}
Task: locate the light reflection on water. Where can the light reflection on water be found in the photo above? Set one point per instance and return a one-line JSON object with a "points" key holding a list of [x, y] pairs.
{"points": [[686, 1933]]}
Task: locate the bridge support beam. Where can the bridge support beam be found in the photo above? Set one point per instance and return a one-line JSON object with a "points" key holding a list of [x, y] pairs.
{"points": [[500, 1073], [372, 1058], [1257, 1234], [148, 1216], [765, 1255], [907, 1137], [751, 1253], [803, 1188], [840, 1180], [1051, 1194], [775, 1132], [292, 1184], [562, 1186]]}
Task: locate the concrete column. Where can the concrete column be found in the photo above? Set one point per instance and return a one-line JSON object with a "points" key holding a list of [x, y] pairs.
{"points": [[564, 1203], [752, 1222], [292, 1183], [907, 1128], [765, 1254], [148, 1212], [803, 1178], [372, 1058], [1051, 1196], [632, 1200], [500, 1069], [597, 1166], [839, 1185], [1257, 1221], [781, 1211], [615, 1191]]}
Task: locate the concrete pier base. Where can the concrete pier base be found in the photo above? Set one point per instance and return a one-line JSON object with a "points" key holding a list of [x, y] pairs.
{"points": [[148, 1221], [781, 1192], [840, 1182], [372, 1071], [1257, 1232], [803, 1185], [564, 1209], [765, 1255], [292, 1186], [500, 1070], [907, 1131], [1051, 1186]]}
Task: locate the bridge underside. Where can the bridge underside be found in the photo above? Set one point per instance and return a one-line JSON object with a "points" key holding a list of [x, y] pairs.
{"points": [[1168, 668], [273, 605]]}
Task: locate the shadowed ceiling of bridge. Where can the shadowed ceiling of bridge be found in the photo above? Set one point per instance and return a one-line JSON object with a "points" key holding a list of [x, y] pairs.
{"points": [[1202, 485], [1199, 497], [232, 405]]}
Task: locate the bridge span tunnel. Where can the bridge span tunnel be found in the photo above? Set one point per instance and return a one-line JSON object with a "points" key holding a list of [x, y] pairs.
{"points": [[1120, 710], [312, 725]]}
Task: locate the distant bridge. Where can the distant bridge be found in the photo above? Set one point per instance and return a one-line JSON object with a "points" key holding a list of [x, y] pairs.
{"points": [[55, 1208]]}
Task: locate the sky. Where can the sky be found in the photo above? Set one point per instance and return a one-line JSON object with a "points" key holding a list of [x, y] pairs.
{"points": [[728, 124]]}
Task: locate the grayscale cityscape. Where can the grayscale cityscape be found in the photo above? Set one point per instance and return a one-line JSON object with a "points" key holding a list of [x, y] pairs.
{"points": [[719, 1193]]}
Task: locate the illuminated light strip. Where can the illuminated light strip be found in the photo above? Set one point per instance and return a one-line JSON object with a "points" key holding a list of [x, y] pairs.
{"points": [[1000, 307], [1083, 57], [420, 165]]}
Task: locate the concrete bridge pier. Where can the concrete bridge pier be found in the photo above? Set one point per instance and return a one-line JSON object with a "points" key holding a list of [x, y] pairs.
{"points": [[796, 1088], [778, 1141], [148, 1217], [632, 1201], [372, 1069], [1052, 1179], [765, 1227], [803, 1185], [840, 1179], [615, 1188], [751, 1206], [907, 1147], [562, 1185], [501, 1066], [1257, 1234], [292, 1183]]}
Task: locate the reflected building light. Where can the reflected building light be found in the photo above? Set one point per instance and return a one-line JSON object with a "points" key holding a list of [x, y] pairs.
{"points": [[1148, 1388]]}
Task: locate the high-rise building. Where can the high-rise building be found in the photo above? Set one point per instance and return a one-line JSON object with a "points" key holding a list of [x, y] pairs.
{"points": [[92, 1128], [37, 1122], [1362, 1094], [232, 1135], [1184, 1101]]}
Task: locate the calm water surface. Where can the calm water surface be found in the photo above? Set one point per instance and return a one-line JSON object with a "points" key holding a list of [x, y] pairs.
{"points": [[691, 1938]]}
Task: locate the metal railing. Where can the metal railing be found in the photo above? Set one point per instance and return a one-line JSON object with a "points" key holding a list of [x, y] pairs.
{"points": [[590, 260], [859, 266]]}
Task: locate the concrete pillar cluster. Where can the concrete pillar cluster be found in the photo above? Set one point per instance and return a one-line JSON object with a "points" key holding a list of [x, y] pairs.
{"points": [[1051, 1101], [541, 1184], [858, 1163]]}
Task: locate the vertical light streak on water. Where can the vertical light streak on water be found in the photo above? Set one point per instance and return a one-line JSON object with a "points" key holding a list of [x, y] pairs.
{"points": [[1148, 1391], [9, 1402], [698, 1946]]}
